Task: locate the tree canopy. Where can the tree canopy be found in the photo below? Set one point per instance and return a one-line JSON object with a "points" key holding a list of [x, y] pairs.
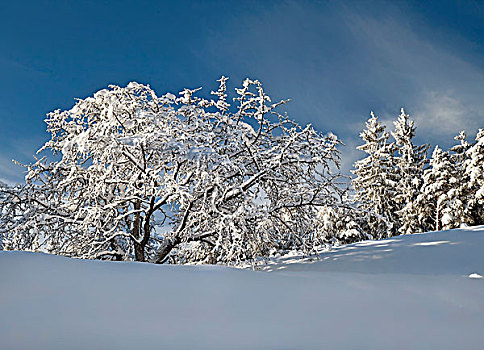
{"points": [[129, 175]]}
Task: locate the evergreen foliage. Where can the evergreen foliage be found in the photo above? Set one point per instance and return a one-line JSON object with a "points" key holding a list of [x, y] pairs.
{"points": [[474, 170], [376, 179], [441, 207], [410, 162]]}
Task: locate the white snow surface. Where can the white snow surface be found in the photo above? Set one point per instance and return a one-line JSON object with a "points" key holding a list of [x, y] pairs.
{"points": [[407, 292]]}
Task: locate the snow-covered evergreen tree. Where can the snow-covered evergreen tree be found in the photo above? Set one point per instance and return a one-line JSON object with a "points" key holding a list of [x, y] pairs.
{"points": [[458, 157], [439, 201], [458, 152], [339, 225], [474, 169], [3, 217], [411, 160], [376, 179]]}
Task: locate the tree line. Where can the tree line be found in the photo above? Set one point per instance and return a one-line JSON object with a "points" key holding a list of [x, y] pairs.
{"points": [[130, 175], [404, 192]]}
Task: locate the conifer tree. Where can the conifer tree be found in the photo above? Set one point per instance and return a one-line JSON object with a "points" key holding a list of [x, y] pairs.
{"points": [[376, 179], [410, 161], [474, 169], [458, 157], [441, 206]]}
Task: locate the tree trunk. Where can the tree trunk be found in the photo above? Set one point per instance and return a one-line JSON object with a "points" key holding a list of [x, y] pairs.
{"points": [[437, 218], [139, 251], [165, 249], [171, 242]]}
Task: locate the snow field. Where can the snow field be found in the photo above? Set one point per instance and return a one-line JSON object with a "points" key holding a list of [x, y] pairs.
{"points": [[408, 292]]}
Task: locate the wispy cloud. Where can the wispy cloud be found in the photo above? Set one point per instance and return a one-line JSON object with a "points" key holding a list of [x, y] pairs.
{"points": [[9, 172], [440, 87], [29, 67], [443, 114], [7, 182], [337, 62], [20, 149]]}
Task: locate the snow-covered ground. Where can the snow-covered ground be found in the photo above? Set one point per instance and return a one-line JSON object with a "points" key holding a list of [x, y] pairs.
{"points": [[409, 292]]}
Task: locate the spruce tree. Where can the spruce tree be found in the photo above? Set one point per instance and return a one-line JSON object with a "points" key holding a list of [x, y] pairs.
{"points": [[410, 161], [458, 157], [439, 202], [474, 169], [458, 152], [376, 180]]}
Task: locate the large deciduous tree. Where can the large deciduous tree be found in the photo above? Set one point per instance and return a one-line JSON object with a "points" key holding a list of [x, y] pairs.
{"points": [[130, 175]]}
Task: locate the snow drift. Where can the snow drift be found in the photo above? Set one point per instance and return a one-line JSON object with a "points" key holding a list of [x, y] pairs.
{"points": [[409, 292]]}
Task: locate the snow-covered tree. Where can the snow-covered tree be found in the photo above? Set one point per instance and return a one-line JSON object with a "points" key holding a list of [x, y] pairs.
{"points": [[32, 217], [128, 175], [335, 225], [439, 201], [458, 152], [474, 169], [410, 161], [3, 216], [376, 179], [459, 157]]}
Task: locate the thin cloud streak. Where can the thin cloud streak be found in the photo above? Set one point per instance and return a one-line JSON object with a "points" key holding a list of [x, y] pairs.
{"points": [[445, 90]]}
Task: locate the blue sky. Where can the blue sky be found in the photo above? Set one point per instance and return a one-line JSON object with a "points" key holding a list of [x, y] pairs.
{"points": [[337, 61]]}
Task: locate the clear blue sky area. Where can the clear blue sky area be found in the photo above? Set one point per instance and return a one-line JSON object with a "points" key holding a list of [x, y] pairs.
{"points": [[336, 60]]}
